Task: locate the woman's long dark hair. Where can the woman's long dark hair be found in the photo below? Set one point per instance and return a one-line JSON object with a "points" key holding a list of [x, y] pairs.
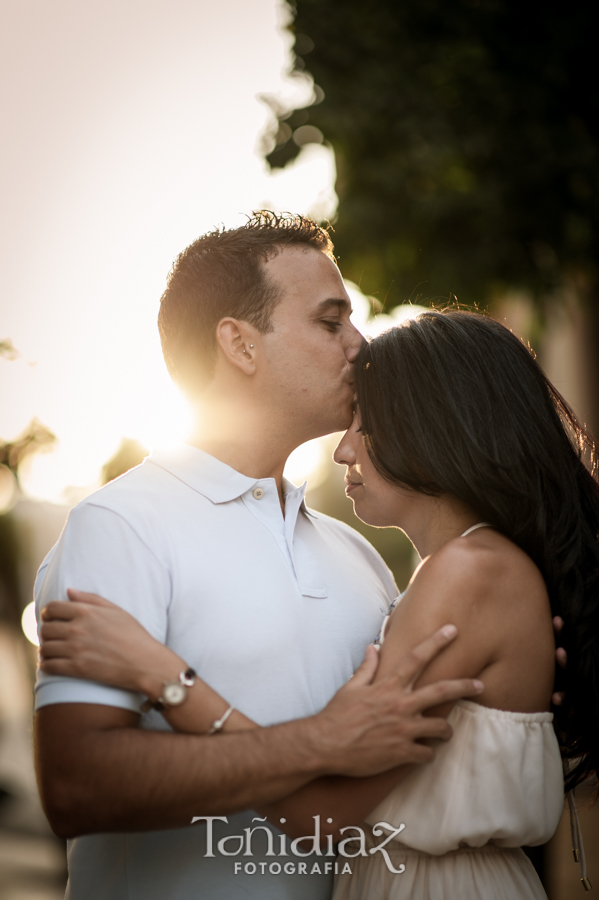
{"points": [[453, 403]]}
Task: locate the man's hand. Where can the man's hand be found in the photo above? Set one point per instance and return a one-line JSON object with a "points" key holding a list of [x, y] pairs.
{"points": [[99, 772], [369, 727], [561, 657]]}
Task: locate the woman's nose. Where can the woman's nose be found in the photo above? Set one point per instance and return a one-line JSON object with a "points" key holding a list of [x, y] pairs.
{"points": [[345, 455]]}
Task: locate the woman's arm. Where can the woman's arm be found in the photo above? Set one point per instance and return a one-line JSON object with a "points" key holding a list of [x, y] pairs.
{"points": [[495, 595], [497, 599], [89, 637]]}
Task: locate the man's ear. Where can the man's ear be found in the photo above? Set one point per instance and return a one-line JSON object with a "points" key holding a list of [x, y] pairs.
{"points": [[237, 341]]}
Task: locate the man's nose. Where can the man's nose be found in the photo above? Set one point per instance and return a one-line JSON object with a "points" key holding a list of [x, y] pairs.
{"points": [[354, 344]]}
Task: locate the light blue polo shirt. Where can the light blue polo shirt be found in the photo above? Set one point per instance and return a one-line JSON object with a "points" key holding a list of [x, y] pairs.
{"points": [[273, 611]]}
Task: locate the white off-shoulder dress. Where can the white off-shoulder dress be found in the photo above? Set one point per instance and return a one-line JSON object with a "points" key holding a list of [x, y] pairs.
{"points": [[496, 786]]}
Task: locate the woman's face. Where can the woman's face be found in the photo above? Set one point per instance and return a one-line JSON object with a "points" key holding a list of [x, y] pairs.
{"points": [[376, 501]]}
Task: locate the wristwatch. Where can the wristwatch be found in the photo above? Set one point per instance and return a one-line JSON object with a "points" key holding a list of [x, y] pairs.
{"points": [[173, 692]]}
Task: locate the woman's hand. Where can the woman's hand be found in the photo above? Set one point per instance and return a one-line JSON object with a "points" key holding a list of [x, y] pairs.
{"points": [[89, 637]]}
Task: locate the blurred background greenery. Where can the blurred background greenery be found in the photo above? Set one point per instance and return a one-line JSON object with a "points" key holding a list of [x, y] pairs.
{"points": [[465, 135]]}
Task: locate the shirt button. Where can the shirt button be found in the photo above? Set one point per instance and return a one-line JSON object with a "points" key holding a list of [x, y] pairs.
{"points": [[258, 493]]}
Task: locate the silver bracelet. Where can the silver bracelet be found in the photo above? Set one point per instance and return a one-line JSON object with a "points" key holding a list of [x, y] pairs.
{"points": [[218, 723]]}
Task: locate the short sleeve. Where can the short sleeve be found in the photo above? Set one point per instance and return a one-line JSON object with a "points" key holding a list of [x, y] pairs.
{"points": [[101, 552]]}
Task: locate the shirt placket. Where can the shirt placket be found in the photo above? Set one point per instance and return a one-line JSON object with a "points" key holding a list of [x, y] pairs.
{"points": [[309, 577], [263, 502]]}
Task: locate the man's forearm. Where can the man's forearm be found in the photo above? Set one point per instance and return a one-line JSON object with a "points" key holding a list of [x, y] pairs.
{"points": [[126, 779], [98, 771]]}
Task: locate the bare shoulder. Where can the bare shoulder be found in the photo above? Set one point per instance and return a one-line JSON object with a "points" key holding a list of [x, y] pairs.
{"points": [[478, 572], [496, 597]]}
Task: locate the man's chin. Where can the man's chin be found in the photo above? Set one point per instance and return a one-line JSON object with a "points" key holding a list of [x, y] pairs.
{"points": [[338, 421], [344, 418]]}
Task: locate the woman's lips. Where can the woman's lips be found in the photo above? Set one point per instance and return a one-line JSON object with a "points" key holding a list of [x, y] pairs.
{"points": [[351, 486]]}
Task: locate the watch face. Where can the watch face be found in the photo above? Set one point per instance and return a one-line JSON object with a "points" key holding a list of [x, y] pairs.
{"points": [[173, 693]]}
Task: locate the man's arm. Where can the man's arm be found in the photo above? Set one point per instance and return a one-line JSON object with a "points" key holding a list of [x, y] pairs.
{"points": [[99, 772]]}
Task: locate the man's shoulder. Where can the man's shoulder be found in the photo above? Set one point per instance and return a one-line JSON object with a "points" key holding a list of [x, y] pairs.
{"points": [[138, 501], [136, 492]]}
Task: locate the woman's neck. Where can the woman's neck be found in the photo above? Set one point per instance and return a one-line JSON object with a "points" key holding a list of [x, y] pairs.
{"points": [[435, 520]]}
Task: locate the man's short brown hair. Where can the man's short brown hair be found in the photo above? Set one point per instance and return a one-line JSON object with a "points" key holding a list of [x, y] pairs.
{"points": [[222, 274]]}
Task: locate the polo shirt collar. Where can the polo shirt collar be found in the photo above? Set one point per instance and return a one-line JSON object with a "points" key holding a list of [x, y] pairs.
{"points": [[209, 476]]}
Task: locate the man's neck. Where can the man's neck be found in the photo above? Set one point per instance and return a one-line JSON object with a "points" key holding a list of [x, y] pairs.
{"points": [[245, 439], [249, 457]]}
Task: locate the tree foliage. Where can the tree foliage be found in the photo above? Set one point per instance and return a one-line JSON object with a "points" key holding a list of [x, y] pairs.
{"points": [[466, 140], [35, 437]]}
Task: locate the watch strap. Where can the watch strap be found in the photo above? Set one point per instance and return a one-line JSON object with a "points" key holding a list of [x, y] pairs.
{"points": [[186, 678]]}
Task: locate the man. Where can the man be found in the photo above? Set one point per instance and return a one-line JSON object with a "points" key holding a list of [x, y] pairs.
{"points": [[217, 556]]}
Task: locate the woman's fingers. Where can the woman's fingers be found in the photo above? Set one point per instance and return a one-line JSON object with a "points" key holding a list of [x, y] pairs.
{"points": [[58, 609], [444, 692], [561, 657], [69, 609], [55, 630], [77, 603], [53, 649], [57, 666], [86, 597], [413, 665]]}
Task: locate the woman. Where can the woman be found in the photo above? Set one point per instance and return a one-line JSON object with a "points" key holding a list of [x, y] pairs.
{"points": [[462, 443]]}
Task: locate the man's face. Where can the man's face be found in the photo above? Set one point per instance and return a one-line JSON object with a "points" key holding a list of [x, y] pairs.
{"points": [[312, 347]]}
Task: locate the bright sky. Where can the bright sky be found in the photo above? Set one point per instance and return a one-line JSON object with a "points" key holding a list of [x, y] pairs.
{"points": [[130, 128]]}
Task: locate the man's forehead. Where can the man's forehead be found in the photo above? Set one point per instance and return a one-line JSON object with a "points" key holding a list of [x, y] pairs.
{"points": [[308, 272], [300, 259]]}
